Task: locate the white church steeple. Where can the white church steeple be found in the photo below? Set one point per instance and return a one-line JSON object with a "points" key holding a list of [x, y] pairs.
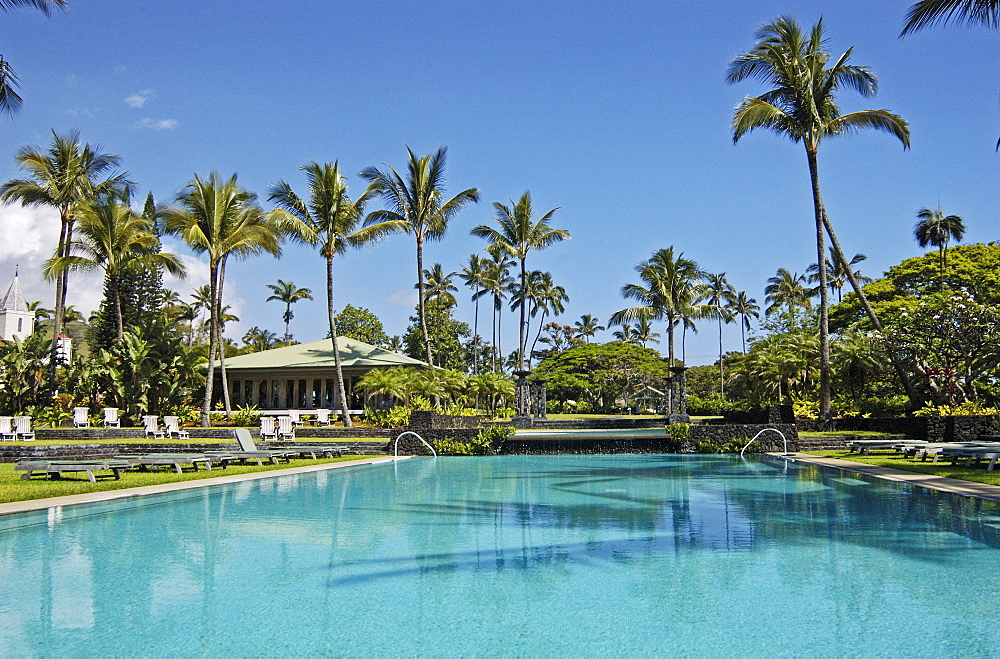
{"points": [[16, 320]]}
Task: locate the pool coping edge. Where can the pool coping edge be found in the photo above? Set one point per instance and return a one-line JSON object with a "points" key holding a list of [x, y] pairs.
{"points": [[929, 481], [33, 505]]}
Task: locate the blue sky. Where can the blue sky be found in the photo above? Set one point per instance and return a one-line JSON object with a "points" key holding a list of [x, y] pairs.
{"points": [[616, 112]]}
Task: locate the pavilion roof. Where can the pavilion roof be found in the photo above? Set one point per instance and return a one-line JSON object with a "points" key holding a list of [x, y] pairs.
{"points": [[319, 354]]}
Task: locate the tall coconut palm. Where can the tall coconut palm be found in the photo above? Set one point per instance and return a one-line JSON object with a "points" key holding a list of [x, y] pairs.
{"points": [[288, 293], [671, 286], [837, 273], [330, 220], [517, 235], [10, 101], [218, 218], [416, 206], [789, 290], [801, 105], [644, 332], [68, 177], [937, 229], [587, 327], [547, 298], [932, 12], [438, 286], [112, 238], [746, 308], [499, 284], [474, 276], [719, 295], [627, 334]]}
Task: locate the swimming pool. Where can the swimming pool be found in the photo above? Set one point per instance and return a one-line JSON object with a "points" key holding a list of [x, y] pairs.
{"points": [[623, 554]]}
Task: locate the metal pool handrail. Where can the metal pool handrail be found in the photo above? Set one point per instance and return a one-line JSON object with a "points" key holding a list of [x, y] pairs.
{"points": [[761, 433], [395, 446]]}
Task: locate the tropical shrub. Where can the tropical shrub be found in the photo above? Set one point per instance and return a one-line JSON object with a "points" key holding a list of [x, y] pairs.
{"points": [[968, 408], [393, 417], [247, 416]]}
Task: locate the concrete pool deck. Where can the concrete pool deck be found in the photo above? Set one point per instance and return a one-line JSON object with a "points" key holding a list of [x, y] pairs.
{"points": [[940, 483], [145, 490]]}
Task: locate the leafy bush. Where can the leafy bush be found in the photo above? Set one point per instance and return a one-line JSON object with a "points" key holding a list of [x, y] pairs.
{"points": [[734, 445], [492, 437], [247, 416], [714, 405], [679, 431], [806, 409], [393, 417], [421, 403], [968, 408], [451, 446], [456, 409]]}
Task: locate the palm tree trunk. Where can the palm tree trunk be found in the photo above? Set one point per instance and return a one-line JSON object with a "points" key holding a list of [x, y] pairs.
{"points": [[475, 339], [743, 332], [722, 373], [670, 339], [210, 376], [523, 330], [824, 301], [57, 321], [499, 350], [897, 365], [534, 343], [341, 391], [119, 323], [420, 300], [221, 344], [288, 321]]}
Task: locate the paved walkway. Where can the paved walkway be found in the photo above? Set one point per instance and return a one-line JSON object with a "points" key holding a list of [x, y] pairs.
{"points": [[92, 497], [941, 483]]}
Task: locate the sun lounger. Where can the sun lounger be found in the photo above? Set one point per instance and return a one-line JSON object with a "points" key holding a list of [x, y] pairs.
{"points": [[111, 418], [6, 429], [152, 427], [249, 451], [171, 425], [22, 429], [80, 417], [56, 468], [150, 461]]}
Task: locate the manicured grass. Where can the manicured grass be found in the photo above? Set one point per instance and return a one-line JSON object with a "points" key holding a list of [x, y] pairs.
{"points": [[845, 433], [899, 461], [12, 488]]}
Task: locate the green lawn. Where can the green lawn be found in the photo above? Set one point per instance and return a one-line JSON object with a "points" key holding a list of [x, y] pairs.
{"points": [[899, 461], [12, 488]]}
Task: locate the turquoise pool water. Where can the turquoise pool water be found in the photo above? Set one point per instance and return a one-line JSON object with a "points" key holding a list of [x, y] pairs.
{"points": [[592, 555]]}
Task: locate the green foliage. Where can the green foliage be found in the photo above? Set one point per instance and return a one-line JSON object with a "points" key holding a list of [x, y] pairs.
{"points": [[247, 416], [446, 336], [492, 437], [679, 432], [712, 405], [968, 408], [734, 445], [25, 377], [451, 446], [421, 403], [599, 374], [362, 325], [806, 409], [393, 417], [488, 442]]}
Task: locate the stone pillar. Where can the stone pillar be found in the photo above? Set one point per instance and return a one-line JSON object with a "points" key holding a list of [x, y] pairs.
{"points": [[540, 402], [679, 412], [522, 398]]}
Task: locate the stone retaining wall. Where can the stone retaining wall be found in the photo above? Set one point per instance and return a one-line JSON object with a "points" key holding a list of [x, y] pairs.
{"points": [[429, 419], [930, 428]]}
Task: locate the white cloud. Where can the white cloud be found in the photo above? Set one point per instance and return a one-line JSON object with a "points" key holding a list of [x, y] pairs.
{"points": [[139, 99], [158, 124], [88, 113], [28, 236], [403, 298]]}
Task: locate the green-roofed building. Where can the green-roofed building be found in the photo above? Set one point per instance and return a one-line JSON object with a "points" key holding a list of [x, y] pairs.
{"points": [[304, 376]]}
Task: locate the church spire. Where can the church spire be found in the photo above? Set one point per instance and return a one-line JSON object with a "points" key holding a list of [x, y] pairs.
{"points": [[14, 300]]}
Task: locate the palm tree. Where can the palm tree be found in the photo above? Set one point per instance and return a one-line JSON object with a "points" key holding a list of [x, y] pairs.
{"points": [[68, 177], [626, 334], [801, 105], [837, 274], [417, 207], [787, 289], [931, 12], [10, 101], [546, 298], [516, 236], [259, 339], [219, 218], [746, 308], [438, 287], [287, 292], [671, 286], [474, 276], [644, 332], [114, 239], [720, 294], [499, 284], [587, 327], [330, 219], [936, 228]]}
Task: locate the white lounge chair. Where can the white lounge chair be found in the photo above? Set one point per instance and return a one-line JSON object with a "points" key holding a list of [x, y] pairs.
{"points": [[80, 417], [152, 427], [111, 418], [323, 418], [267, 428], [286, 429], [6, 429], [171, 425], [22, 428]]}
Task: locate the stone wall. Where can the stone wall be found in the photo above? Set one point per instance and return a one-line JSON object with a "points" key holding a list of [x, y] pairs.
{"points": [[428, 419], [603, 424], [930, 428]]}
